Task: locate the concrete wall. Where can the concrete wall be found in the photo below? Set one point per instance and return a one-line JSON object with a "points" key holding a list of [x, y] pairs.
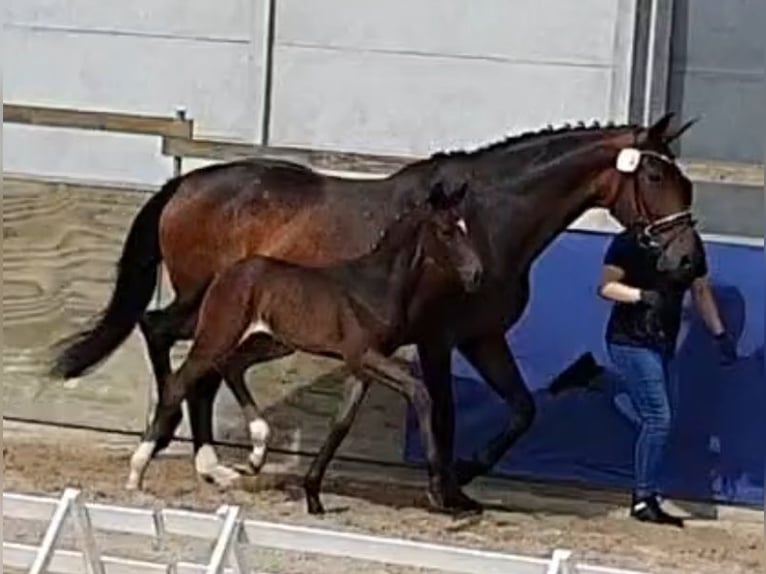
{"points": [[388, 77], [411, 77], [143, 56], [353, 74], [717, 71]]}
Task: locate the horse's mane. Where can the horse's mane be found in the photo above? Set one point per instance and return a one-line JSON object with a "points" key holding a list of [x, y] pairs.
{"points": [[515, 139]]}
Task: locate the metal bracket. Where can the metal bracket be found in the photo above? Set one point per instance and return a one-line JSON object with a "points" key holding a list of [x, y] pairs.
{"points": [[69, 505], [227, 547], [561, 562]]}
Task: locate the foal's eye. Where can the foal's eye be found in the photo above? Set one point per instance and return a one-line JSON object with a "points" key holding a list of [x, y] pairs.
{"points": [[654, 177]]}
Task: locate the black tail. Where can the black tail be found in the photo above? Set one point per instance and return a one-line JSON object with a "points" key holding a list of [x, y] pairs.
{"points": [[136, 281]]}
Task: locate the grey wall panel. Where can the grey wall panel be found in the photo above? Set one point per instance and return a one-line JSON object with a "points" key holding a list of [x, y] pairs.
{"points": [[717, 71], [732, 112], [393, 103], [210, 21], [141, 57], [402, 77], [521, 30], [729, 210]]}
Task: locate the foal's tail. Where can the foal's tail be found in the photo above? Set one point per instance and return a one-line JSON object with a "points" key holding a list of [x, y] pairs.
{"points": [[136, 281]]}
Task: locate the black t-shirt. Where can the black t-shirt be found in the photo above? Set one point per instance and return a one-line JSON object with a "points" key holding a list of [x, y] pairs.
{"points": [[637, 324]]}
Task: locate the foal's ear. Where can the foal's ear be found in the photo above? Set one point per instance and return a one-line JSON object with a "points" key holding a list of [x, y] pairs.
{"points": [[441, 197]]}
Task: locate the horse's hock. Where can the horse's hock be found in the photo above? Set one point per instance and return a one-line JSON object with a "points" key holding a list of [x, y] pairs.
{"points": [[62, 240]]}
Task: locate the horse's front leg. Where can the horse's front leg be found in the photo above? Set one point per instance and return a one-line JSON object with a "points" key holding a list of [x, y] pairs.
{"points": [[436, 366], [492, 359], [442, 484]]}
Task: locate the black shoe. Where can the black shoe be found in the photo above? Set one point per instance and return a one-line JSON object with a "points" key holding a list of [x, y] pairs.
{"points": [[648, 509]]}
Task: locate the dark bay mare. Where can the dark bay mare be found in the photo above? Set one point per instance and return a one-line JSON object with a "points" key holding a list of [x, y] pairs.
{"points": [[525, 191], [357, 311]]}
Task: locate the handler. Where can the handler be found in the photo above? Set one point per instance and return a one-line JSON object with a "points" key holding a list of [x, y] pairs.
{"points": [[641, 338]]}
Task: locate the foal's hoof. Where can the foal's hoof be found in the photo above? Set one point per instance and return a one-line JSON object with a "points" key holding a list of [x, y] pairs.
{"points": [[313, 505], [467, 470]]}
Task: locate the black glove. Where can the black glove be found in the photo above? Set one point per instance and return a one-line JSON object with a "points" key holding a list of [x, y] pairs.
{"points": [[653, 319], [727, 348], [650, 298]]}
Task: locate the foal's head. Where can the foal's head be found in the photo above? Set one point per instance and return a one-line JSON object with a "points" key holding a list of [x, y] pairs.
{"points": [[445, 237]]}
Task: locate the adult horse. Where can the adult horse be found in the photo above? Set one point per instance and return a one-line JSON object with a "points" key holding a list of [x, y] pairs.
{"points": [[527, 189]]}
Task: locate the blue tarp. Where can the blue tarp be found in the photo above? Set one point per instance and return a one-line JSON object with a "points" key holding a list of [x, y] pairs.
{"points": [[718, 443]]}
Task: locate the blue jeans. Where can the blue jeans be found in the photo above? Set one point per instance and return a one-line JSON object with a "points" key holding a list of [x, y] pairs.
{"points": [[644, 377]]}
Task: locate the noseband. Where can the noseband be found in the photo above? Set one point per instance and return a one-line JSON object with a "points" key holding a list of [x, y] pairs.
{"points": [[628, 161]]}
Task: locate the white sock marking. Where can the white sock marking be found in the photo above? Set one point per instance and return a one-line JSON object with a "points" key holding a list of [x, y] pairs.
{"points": [[138, 463], [207, 465], [259, 434]]}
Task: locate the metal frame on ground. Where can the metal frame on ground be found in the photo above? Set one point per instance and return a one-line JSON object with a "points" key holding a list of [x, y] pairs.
{"points": [[231, 535]]}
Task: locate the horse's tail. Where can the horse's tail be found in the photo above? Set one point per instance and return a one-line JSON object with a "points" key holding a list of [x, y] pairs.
{"points": [[137, 272]]}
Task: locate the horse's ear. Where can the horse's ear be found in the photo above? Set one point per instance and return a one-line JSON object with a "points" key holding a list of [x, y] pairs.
{"points": [[674, 135], [656, 132]]}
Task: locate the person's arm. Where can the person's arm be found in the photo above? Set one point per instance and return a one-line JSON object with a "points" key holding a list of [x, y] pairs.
{"points": [[613, 289], [707, 307]]}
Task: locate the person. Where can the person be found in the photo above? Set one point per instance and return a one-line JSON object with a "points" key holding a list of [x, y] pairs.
{"points": [[641, 337]]}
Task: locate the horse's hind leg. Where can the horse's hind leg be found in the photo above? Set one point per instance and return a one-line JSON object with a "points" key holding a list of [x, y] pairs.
{"points": [[257, 349], [161, 328], [175, 390], [354, 394]]}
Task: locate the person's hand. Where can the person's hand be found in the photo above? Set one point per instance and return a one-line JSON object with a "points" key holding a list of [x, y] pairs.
{"points": [[651, 298], [727, 348]]}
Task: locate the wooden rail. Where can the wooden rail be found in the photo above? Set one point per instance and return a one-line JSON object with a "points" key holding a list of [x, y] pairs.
{"points": [[178, 141], [98, 121]]}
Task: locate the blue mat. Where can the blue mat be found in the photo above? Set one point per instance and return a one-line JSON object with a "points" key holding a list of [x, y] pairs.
{"points": [[718, 443]]}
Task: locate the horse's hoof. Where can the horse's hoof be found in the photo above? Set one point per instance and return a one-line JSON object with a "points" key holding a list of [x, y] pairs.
{"points": [[467, 470], [132, 485], [462, 504], [222, 476]]}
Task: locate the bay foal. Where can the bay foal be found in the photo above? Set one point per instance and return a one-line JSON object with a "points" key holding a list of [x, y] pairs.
{"points": [[357, 311]]}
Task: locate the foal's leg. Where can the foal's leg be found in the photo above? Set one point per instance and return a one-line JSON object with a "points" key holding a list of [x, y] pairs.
{"points": [[441, 483], [492, 358], [355, 391], [257, 349]]}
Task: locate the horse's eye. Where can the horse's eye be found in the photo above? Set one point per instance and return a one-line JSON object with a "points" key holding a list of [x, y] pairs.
{"points": [[654, 177]]}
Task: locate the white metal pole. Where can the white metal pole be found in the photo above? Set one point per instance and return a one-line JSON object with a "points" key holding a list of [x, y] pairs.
{"points": [[52, 533]]}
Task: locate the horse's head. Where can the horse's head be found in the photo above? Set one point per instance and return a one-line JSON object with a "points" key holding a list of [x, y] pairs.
{"points": [[647, 192], [446, 238]]}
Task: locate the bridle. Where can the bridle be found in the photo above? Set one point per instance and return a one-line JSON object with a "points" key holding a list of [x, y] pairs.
{"points": [[628, 161]]}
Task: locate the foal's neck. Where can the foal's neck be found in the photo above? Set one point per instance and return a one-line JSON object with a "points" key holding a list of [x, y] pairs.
{"points": [[380, 280]]}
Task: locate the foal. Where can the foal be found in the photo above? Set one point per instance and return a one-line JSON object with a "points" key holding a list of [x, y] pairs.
{"points": [[357, 311]]}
